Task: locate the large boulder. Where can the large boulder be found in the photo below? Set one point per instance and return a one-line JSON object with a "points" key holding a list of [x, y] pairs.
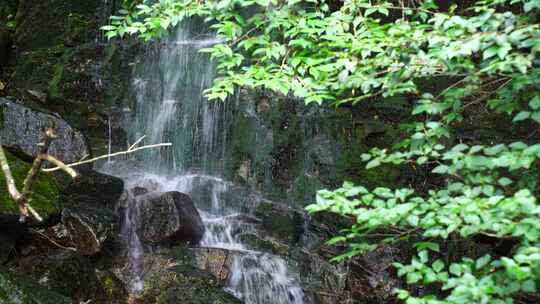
{"points": [[22, 128], [169, 217], [88, 228], [89, 217], [93, 189]]}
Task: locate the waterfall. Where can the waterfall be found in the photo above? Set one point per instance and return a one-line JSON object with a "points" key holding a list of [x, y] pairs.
{"points": [[169, 107]]}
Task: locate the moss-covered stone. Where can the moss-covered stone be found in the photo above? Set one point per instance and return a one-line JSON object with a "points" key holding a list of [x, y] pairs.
{"points": [[183, 282], [68, 274], [45, 189], [115, 292], [18, 289]]}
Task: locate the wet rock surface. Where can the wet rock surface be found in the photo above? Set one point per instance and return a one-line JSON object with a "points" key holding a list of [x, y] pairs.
{"points": [[22, 128], [88, 228], [173, 276], [169, 217], [92, 189], [89, 217]]}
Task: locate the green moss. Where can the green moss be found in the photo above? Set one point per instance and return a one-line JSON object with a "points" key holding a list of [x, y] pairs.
{"points": [[183, 285], [18, 289], [78, 28], [45, 189]]}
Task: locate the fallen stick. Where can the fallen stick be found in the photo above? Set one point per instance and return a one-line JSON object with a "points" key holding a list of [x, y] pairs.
{"points": [[107, 156]]}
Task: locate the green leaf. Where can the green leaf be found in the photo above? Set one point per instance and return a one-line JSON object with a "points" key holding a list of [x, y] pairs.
{"points": [[413, 277], [528, 286], [373, 163], [424, 256], [504, 181], [427, 245], [483, 261], [438, 265], [521, 116], [536, 116], [535, 103], [455, 269], [413, 220]]}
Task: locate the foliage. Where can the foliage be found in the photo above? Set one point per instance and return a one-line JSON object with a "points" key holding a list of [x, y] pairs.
{"points": [[488, 54]]}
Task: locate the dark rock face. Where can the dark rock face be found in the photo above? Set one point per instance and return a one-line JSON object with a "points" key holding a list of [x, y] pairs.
{"points": [[17, 289], [89, 216], [22, 128], [93, 189], [5, 47], [10, 231], [169, 217], [88, 228]]}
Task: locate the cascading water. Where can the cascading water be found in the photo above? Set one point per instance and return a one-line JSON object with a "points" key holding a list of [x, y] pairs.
{"points": [[170, 108]]}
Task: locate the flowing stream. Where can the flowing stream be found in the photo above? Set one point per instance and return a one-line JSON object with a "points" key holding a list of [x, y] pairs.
{"points": [[170, 107]]}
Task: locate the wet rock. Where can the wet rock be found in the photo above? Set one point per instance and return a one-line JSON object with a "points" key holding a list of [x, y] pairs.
{"points": [[217, 261], [136, 191], [88, 228], [257, 241], [281, 221], [174, 277], [169, 217], [93, 189], [66, 273], [89, 217], [326, 282], [22, 128], [17, 289]]}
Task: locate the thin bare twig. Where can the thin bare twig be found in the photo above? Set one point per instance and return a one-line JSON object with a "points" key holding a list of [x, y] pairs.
{"points": [[61, 165], [108, 155]]}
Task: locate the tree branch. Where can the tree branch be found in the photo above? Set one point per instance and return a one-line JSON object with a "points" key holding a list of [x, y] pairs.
{"points": [[38, 162], [61, 165], [10, 182], [128, 151]]}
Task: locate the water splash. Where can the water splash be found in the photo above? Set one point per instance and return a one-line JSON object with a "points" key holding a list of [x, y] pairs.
{"points": [[264, 279], [133, 243], [169, 103]]}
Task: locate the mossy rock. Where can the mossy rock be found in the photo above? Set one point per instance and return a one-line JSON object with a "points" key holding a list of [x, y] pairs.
{"points": [[115, 291], [68, 274], [183, 284], [67, 21], [45, 189], [18, 289]]}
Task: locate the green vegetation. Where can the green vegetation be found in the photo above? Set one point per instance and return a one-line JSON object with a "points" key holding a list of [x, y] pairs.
{"points": [[482, 56]]}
